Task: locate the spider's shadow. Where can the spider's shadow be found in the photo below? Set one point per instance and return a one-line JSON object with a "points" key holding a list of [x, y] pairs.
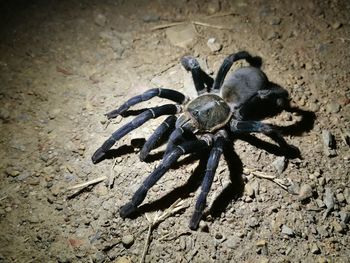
{"points": [[235, 188]]}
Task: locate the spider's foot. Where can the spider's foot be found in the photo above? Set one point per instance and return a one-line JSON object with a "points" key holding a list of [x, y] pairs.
{"points": [[189, 62], [194, 222], [98, 155], [112, 114], [127, 210]]}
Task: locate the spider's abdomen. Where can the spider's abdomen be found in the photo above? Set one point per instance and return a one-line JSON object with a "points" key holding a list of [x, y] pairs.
{"points": [[242, 84], [209, 112]]}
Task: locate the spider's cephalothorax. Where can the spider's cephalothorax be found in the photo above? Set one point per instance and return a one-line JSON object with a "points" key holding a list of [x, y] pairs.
{"points": [[227, 105]]}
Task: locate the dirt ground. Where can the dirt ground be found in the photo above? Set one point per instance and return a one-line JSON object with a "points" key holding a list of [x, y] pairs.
{"points": [[63, 64]]}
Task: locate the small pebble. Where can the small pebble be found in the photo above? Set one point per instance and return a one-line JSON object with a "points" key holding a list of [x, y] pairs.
{"points": [[249, 190], [305, 192], [287, 231], [232, 242], [315, 249], [203, 226], [128, 240], [150, 18], [100, 20], [329, 198], [333, 107], [213, 7], [213, 45], [337, 227], [280, 164], [261, 243], [337, 25], [344, 216]]}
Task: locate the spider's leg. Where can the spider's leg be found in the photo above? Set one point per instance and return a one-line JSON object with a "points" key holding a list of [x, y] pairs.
{"points": [[178, 135], [212, 164], [228, 61], [169, 94], [167, 125], [272, 100], [267, 129], [171, 158], [200, 78], [135, 123]]}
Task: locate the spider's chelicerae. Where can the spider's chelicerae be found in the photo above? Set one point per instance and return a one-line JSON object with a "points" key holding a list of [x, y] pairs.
{"points": [[224, 106]]}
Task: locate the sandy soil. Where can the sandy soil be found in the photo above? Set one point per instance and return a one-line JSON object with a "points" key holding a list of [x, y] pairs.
{"points": [[63, 64]]}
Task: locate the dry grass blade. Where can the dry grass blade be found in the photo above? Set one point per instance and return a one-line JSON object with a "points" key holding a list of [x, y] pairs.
{"points": [[86, 184], [198, 23], [155, 218], [272, 178], [167, 25]]}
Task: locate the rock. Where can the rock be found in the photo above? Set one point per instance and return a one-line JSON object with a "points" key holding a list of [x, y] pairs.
{"points": [[344, 216], [315, 249], [54, 113], [232, 242], [329, 143], [213, 45], [287, 231], [128, 240], [100, 20], [328, 139], [181, 36], [305, 192], [213, 7], [333, 107], [347, 195], [337, 25], [253, 222], [280, 164], [340, 197], [328, 200], [5, 114], [337, 227], [10, 171], [150, 18], [249, 190], [123, 260], [218, 236], [261, 243]]}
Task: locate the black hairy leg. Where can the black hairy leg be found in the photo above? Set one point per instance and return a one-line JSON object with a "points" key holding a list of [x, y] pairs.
{"points": [[238, 127], [169, 94], [228, 62], [168, 160], [167, 109], [167, 124], [202, 81], [212, 164]]}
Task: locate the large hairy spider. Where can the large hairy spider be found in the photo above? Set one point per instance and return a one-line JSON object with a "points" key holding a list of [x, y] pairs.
{"points": [[224, 106]]}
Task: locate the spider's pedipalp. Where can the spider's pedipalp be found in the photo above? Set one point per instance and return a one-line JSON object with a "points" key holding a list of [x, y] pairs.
{"points": [[168, 160], [200, 78], [167, 109], [169, 94], [212, 164], [167, 124]]}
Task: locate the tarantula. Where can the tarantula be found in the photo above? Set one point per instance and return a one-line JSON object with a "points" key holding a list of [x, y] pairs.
{"points": [[224, 106]]}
